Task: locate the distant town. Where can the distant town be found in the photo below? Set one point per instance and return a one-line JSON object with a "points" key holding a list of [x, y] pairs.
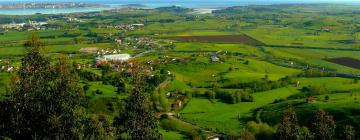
{"points": [[47, 5]]}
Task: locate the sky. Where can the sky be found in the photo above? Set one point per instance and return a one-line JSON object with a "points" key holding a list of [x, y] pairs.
{"points": [[192, 0], [149, 1]]}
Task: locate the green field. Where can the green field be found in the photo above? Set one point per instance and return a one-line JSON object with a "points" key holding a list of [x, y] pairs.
{"points": [[342, 106], [4, 81], [224, 117], [295, 42]]}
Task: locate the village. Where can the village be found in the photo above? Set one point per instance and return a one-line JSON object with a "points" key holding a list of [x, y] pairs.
{"points": [[5, 66], [25, 26]]}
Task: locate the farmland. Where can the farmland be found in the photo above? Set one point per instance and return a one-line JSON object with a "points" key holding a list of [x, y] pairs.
{"points": [[207, 75], [219, 39], [346, 61], [223, 117]]}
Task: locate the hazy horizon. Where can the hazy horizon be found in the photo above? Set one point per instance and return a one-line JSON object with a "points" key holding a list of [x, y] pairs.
{"points": [[158, 3], [182, 1]]}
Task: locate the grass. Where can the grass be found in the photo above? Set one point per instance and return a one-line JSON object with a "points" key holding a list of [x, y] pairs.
{"points": [[208, 72], [74, 48], [171, 135], [255, 70], [331, 83], [199, 73], [4, 81], [276, 35], [334, 66], [223, 117], [316, 57], [173, 124], [208, 27], [239, 48], [108, 102], [107, 91], [177, 85], [109, 106], [343, 106]]}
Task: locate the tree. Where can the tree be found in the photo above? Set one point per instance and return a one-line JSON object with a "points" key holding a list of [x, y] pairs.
{"points": [[323, 125], [210, 94], [349, 133], [356, 80], [262, 131], [33, 41], [30, 102], [327, 98], [95, 128], [137, 121], [121, 86], [246, 135], [43, 101], [305, 134], [86, 87], [289, 128]]}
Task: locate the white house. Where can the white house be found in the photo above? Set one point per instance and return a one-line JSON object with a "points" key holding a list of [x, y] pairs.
{"points": [[214, 58], [114, 57]]}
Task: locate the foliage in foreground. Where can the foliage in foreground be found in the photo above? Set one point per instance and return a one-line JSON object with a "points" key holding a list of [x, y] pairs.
{"points": [[137, 121], [44, 101]]}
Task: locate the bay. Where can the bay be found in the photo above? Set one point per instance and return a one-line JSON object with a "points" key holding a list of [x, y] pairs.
{"points": [[148, 3]]}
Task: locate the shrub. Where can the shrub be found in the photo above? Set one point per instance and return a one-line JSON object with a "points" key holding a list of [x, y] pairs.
{"points": [[89, 76], [164, 116], [327, 98], [315, 90], [210, 94], [98, 92], [234, 97], [261, 131]]}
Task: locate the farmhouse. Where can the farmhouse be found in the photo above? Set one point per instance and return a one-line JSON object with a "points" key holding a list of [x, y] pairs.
{"points": [[118, 41], [138, 25], [214, 58], [30, 25], [114, 57], [13, 26], [178, 104], [7, 68], [311, 99]]}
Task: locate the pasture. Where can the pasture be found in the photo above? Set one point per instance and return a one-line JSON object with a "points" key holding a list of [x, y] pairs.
{"points": [[219, 39], [223, 117], [346, 61], [247, 47], [343, 106], [209, 72]]}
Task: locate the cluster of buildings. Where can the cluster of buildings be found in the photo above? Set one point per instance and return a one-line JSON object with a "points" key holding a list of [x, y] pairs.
{"points": [[124, 27], [72, 19], [108, 51], [167, 60], [129, 27], [7, 68], [30, 25], [44, 5], [114, 57], [214, 58], [110, 55], [143, 43], [83, 66]]}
